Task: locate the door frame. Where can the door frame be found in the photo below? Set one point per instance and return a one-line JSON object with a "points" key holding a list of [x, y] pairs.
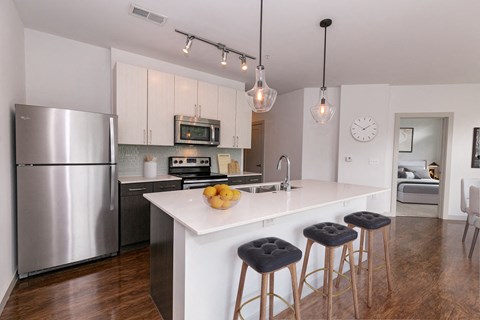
{"points": [[260, 123], [446, 155]]}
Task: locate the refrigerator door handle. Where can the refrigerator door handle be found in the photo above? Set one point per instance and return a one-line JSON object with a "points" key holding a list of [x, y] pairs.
{"points": [[112, 140], [112, 187]]}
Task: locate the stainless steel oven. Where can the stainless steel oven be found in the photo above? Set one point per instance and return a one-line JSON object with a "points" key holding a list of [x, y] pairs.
{"points": [[192, 130], [195, 172]]}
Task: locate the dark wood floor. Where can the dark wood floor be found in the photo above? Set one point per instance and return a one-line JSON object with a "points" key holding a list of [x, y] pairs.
{"points": [[433, 279]]}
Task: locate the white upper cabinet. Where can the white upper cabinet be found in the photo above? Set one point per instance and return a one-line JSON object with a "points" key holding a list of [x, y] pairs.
{"points": [[207, 100], [196, 98], [243, 124], [235, 119], [144, 105], [226, 114], [185, 96], [161, 108], [131, 104]]}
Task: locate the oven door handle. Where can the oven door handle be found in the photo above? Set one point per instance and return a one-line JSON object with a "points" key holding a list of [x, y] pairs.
{"points": [[192, 182], [212, 133]]}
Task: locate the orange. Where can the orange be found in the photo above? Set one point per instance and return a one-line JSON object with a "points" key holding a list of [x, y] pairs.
{"points": [[209, 192], [235, 195], [226, 204], [226, 194], [215, 202]]}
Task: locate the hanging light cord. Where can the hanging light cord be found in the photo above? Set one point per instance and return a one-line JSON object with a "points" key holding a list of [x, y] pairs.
{"points": [[324, 56], [261, 29]]}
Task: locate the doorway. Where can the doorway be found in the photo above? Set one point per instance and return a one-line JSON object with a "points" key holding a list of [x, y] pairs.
{"points": [[421, 164], [254, 157]]}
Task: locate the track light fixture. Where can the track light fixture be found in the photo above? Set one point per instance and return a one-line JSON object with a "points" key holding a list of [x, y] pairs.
{"points": [[224, 57], [188, 44], [220, 46], [243, 62]]}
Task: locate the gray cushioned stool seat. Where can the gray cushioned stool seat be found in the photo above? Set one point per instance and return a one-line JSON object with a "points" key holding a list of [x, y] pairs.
{"points": [[367, 220], [269, 254], [330, 234]]}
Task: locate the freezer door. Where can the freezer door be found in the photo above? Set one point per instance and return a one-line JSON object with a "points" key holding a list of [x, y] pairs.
{"points": [[61, 136], [65, 214]]}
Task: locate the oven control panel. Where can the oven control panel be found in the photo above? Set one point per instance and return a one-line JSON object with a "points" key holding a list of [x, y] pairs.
{"points": [[182, 162]]}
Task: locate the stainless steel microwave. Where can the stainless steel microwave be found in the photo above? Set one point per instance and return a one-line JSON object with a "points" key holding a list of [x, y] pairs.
{"points": [[193, 130]]}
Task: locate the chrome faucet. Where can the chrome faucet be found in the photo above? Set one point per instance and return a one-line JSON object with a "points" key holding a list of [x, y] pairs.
{"points": [[286, 183]]}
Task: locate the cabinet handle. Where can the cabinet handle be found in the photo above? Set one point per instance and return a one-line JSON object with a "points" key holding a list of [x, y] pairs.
{"points": [[196, 110], [150, 136], [144, 136], [137, 189], [234, 141], [166, 187], [237, 141], [199, 111]]}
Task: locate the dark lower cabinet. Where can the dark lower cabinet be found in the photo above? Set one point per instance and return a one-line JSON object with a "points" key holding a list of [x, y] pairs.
{"points": [[253, 179], [135, 209], [232, 181]]}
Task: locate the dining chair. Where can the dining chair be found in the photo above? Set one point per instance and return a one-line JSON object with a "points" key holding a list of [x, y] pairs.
{"points": [[465, 187], [474, 209]]}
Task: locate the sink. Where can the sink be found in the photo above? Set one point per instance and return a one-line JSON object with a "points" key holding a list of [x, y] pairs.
{"points": [[264, 188]]}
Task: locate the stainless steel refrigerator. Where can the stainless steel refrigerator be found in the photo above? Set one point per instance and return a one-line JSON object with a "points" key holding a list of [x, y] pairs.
{"points": [[67, 205]]}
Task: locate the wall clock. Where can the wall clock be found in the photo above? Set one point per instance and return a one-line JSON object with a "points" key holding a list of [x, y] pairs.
{"points": [[363, 129]]}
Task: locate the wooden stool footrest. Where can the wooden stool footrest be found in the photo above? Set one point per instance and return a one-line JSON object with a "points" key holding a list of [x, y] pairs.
{"points": [[258, 297], [318, 291]]}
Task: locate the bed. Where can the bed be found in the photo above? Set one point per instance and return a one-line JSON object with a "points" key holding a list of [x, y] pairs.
{"points": [[414, 184]]}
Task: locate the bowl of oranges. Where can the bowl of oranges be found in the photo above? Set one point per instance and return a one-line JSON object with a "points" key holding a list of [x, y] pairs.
{"points": [[221, 196]]}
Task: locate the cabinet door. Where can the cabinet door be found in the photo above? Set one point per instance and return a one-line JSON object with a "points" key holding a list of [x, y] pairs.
{"points": [[243, 122], [233, 181], [162, 186], [207, 100], [161, 108], [185, 96], [226, 115], [253, 179], [131, 104]]}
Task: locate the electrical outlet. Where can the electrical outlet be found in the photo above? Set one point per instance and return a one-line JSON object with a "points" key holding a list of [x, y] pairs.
{"points": [[348, 159], [268, 222]]}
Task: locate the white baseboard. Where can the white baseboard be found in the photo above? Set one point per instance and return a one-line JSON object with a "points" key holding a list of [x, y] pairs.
{"points": [[456, 217], [9, 291]]}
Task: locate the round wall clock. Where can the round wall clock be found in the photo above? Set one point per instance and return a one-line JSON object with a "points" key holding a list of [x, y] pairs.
{"points": [[363, 129]]}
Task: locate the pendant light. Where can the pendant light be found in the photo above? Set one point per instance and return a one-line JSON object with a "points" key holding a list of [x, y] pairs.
{"points": [[323, 111], [261, 97]]}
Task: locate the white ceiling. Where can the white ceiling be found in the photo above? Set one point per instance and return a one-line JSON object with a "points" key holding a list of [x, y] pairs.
{"points": [[371, 41]]}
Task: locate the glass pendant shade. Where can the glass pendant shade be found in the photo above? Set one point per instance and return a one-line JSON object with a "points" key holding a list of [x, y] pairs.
{"points": [[261, 97], [323, 111]]}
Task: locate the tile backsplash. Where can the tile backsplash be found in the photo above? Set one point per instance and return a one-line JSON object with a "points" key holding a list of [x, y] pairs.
{"points": [[131, 157]]}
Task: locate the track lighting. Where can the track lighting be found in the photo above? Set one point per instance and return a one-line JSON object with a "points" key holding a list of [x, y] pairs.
{"points": [[225, 50], [224, 57], [243, 62], [188, 44]]}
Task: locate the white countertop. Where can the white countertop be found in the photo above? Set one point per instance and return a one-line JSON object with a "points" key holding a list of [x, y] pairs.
{"points": [[141, 179], [189, 209], [244, 174]]}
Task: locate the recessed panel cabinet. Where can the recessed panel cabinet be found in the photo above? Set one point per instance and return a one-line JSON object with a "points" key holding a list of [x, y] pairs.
{"points": [[235, 117], [144, 105], [196, 98]]}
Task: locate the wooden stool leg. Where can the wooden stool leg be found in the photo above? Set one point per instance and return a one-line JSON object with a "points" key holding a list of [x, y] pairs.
{"points": [[387, 257], [296, 297], [340, 268], [263, 297], [466, 230], [474, 241], [271, 297], [370, 267], [240, 290], [304, 268], [360, 253], [325, 272], [353, 280], [330, 283]]}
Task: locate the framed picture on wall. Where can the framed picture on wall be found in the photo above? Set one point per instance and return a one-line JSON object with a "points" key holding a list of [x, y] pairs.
{"points": [[405, 140], [476, 148]]}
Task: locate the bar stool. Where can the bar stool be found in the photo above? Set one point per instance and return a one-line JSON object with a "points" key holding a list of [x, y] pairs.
{"points": [[369, 221], [267, 256], [331, 235]]}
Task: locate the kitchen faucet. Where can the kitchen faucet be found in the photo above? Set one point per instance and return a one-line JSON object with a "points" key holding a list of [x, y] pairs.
{"points": [[286, 183]]}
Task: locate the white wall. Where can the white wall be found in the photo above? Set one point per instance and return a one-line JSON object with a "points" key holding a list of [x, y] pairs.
{"points": [[464, 102], [64, 73], [283, 135], [12, 90], [427, 139], [320, 142]]}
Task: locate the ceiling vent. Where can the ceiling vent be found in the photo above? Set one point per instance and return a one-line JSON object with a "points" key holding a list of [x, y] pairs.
{"points": [[147, 15]]}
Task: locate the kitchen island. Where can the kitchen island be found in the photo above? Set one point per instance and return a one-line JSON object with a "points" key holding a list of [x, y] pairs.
{"points": [[194, 268]]}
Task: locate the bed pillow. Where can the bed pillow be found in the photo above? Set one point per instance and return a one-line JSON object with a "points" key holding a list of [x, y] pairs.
{"points": [[422, 174]]}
